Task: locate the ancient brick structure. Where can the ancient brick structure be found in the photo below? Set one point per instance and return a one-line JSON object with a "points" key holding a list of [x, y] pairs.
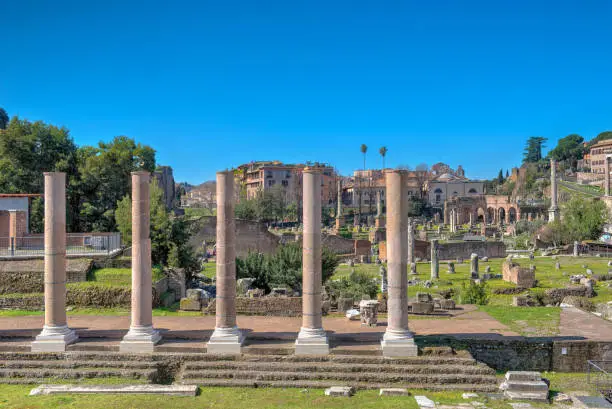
{"points": [[521, 276]]}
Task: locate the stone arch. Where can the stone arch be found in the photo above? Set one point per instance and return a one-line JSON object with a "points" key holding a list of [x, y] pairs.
{"points": [[512, 215], [481, 215], [502, 215], [472, 191]]}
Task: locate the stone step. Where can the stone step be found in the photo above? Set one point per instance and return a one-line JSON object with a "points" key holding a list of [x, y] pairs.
{"points": [[439, 379], [321, 384], [337, 367], [528, 386], [148, 374], [76, 355], [67, 364]]}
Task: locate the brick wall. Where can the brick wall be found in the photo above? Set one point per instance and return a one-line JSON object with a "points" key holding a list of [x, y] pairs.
{"points": [[268, 306], [521, 276]]}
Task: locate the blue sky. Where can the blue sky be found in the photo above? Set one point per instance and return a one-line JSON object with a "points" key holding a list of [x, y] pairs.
{"points": [[213, 84]]}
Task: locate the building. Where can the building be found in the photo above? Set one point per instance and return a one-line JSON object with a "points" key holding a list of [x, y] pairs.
{"points": [[203, 196], [14, 215], [597, 155], [448, 186], [366, 184], [257, 177]]}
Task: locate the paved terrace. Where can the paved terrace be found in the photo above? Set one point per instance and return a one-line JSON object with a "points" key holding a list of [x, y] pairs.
{"points": [[194, 332]]}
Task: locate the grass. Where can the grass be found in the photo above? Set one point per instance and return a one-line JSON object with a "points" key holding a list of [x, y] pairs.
{"points": [[16, 396], [192, 212], [528, 321], [157, 312], [121, 277]]}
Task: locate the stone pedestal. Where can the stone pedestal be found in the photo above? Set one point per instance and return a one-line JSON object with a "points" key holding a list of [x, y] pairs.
{"points": [[312, 339], [55, 335], [368, 309], [474, 266], [227, 338], [142, 337], [397, 341]]}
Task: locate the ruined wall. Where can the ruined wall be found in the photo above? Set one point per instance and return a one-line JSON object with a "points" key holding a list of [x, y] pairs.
{"points": [[337, 244], [27, 276], [523, 277], [463, 249], [250, 236], [267, 306]]}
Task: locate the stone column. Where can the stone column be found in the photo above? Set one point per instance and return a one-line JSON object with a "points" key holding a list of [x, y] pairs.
{"points": [[410, 241], [435, 266], [55, 335], [339, 220], [312, 339], [380, 218], [141, 337], [575, 249], [474, 266], [398, 341], [446, 213], [553, 212], [227, 338], [607, 175]]}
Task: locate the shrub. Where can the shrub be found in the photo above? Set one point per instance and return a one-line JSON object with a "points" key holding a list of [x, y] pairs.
{"points": [[354, 286], [580, 302], [474, 294]]}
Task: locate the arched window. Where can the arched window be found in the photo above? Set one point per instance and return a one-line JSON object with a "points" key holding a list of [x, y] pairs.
{"points": [[472, 191], [438, 190]]}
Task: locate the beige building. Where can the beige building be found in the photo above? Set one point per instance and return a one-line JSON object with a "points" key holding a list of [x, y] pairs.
{"points": [[365, 185], [448, 186], [597, 155]]}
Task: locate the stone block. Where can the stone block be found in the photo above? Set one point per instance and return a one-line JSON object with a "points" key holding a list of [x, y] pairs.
{"points": [[175, 390], [346, 391], [422, 307], [447, 304], [345, 304], [188, 304], [194, 294], [525, 385], [424, 297], [393, 392], [424, 402]]}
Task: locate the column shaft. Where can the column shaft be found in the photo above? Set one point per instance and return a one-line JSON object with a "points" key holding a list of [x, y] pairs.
{"points": [[398, 340], [607, 175], [226, 338], [141, 337], [312, 339], [55, 335]]}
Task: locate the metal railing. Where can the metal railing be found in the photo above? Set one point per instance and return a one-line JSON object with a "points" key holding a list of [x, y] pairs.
{"points": [[599, 374], [76, 244]]}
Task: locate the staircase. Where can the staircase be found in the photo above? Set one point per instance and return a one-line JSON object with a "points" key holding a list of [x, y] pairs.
{"points": [[460, 372], [261, 369]]}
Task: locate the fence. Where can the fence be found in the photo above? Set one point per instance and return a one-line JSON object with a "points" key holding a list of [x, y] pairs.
{"points": [[76, 244], [599, 375]]}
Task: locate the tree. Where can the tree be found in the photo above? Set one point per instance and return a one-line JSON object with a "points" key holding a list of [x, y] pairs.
{"points": [[533, 149], [583, 219], [507, 174], [569, 150], [383, 152], [601, 137], [364, 150], [4, 118], [500, 177]]}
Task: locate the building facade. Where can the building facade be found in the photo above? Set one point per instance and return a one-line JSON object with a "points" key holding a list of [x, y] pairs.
{"points": [[448, 186], [597, 156]]}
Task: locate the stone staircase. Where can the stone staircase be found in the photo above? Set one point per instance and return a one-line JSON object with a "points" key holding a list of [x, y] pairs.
{"points": [[460, 372], [271, 368]]}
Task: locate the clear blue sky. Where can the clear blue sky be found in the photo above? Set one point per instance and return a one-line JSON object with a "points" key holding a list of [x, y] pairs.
{"points": [[213, 84]]}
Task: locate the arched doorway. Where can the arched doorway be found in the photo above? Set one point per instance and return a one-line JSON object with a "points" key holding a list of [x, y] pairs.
{"points": [[502, 215], [512, 214], [490, 215], [481, 215]]}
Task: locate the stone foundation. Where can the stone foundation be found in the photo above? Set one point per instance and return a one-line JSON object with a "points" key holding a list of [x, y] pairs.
{"points": [[267, 306], [521, 276]]}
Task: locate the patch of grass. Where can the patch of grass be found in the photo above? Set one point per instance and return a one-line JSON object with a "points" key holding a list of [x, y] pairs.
{"points": [[527, 321], [121, 277], [118, 311]]}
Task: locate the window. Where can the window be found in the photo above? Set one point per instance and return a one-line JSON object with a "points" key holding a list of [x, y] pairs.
{"points": [[438, 199], [285, 183], [438, 190], [472, 191], [271, 182]]}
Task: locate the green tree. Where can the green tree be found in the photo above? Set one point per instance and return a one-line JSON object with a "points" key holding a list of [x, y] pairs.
{"points": [[4, 118], [569, 150], [383, 152], [364, 150], [533, 149], [583, 219], [106, 178], [601, 137], [500, 177]]}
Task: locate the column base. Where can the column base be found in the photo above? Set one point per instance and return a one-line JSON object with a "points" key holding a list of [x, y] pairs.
{"points": [[225, 341], [312, 341], [54, 339], [397, 344], [140, 340]]}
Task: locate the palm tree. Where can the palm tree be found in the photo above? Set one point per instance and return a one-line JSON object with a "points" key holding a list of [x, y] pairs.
{"points": [[364, 149], [383, 152]]}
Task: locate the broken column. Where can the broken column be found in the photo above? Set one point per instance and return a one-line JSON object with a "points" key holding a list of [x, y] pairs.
{"points": [[227, 338], [474, 266], [607, 175], [410, 241], [55, 335], [339, 220], [398, 340], [312, 339], [553, 212], [141, 337], [575, 249], [435, 265], [380, 218]]}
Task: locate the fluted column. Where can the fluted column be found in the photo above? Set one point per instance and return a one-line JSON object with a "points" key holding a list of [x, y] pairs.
{"points": [[553, 212], [312, 339], [410, 240], [227, 338], [55, 335], [398, 340], [141, 337], [435, 265]]}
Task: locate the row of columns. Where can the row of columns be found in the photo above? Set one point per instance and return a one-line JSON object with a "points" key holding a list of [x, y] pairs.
{"points": [[226, 338]]}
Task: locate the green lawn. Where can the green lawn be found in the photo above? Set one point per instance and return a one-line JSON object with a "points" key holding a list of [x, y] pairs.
{"points": [[121, 277], [528, 321], [157, 312]]}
